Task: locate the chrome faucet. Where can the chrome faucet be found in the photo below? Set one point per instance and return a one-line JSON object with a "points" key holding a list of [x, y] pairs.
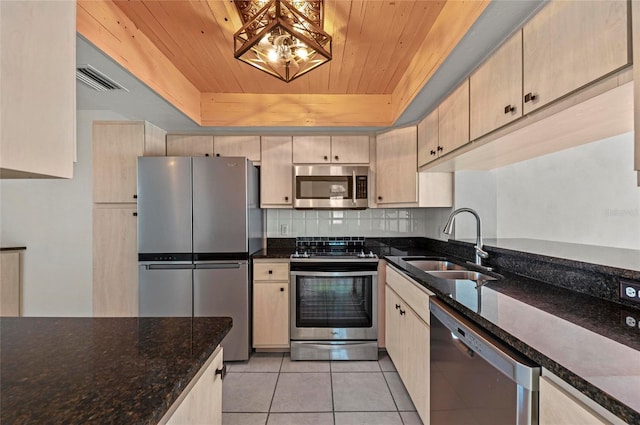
{"points": [[480, 253]]}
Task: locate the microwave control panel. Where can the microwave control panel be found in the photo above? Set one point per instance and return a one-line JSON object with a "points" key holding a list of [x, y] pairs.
{"points": [[361, 187]]}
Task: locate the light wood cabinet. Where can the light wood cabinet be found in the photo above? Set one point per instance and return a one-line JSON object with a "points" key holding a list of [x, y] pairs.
{"points": [[189, 145], [201, 401], [247, 146], [407, 337], [115, 261], [396, 168], [495, 89], [38, 102], [116, 148], [345, 149], [10, 283], [276, 172], [558, 407], [428, 139], [270, 304], [569, 44], [453, 120]]}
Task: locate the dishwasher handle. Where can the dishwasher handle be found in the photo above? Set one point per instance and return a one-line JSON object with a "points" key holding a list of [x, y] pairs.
{"points": [[216, 266], [168, 266]]}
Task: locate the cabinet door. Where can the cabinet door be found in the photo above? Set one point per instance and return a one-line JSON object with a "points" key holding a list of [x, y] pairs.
{"points": [[155, 140], [115, 262], [276, 172], [116, 148], [569, 44], [179, 145], [392, 329], [416, 348], [453, 122], [203, 402], [247, 146], [10, 284], [495, 89], [311, 149], [557, 407], [428, 138], [350, 149], [397, 176], [271, 315]]}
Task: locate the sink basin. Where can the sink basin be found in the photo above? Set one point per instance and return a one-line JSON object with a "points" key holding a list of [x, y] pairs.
{"points": [[461, 275], [435, 265]]}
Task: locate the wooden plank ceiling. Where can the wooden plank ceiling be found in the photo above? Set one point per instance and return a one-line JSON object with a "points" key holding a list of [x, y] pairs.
{"points": [[383, 54]]}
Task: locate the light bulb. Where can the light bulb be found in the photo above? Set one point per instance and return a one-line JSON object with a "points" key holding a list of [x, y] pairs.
{"points": [[272, 55], [302, 53]]}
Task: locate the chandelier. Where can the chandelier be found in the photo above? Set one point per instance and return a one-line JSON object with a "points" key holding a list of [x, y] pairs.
{"points": [[282, 38]]}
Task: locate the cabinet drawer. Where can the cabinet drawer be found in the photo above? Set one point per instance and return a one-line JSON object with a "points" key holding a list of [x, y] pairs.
{"points": [[416, 297], [271, 271]]}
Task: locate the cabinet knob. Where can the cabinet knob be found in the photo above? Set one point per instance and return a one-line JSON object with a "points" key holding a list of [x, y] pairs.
{"points": [[326, 158], [206, 154], [270, 271], [336, 157], [440, 148], [281, 289], [135, 196], [217, 154], [286, 198], [135, 214], [529, 97], [432, 152], [379, 198], [509, 108], [402, 312], [222, 372], [397, 306]]}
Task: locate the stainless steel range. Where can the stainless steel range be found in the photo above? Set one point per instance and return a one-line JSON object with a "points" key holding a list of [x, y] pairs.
{"points": [[334, 300]]}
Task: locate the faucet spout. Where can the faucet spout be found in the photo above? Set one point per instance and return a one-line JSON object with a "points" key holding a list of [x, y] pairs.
{"points": [[448, 228]]}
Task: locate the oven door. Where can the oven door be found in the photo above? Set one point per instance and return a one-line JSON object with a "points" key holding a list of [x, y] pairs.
{"points": [[334, 305]]}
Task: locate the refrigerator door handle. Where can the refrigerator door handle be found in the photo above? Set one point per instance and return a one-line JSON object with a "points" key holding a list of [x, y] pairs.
{"points": [[218, 266], [168, 266]]}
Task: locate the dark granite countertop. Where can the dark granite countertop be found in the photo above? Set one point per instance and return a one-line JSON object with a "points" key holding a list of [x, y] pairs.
{"points": [[13, 248], [100, 370], [584, 340], [273, 253]]}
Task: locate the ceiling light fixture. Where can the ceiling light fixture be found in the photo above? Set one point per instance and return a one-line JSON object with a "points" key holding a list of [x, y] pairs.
{"points": [[285, 39]]}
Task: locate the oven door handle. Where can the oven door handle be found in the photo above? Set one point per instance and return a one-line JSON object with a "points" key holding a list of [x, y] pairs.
{"points": [[334, 274]]}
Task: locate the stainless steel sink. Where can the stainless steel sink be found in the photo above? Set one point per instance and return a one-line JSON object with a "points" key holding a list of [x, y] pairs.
{"points": [[461, 275], [435, 265]]}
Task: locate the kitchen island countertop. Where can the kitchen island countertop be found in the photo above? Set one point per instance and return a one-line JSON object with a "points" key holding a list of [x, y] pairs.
{"points": [[100, 370]]}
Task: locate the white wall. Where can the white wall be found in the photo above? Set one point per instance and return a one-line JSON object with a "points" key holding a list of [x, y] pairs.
{"points": [[370, 222], [587, 195], [476, 190], [52, 218]]}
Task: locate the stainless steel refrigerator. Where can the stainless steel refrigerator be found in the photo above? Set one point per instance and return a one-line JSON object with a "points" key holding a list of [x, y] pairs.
{"points": [[199, 220]]}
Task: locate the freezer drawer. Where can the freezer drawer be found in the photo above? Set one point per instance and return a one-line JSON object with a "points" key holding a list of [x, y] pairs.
{"points": [[222, 289], [165, 292]]}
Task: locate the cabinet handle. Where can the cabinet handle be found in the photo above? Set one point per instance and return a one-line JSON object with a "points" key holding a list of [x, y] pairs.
{"points": [[326, 158], [432, 152], [281, 289], [529, 97], [402, 312], [397, 306], [379, 198], [440, 148], [206, 154], [509, 108], [135, 214], [336, 157], [270, 271], [286, 198], [222, 372], [217, 154], [135, 196]]}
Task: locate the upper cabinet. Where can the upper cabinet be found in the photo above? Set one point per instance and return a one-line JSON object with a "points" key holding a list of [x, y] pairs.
{"points": [[189, 145], [496, 89], [38, 102], [428, 138], [569, 44], [247, 146], [346, 149], [396, 168], [453, 120], [116, 148], [276, 172]]}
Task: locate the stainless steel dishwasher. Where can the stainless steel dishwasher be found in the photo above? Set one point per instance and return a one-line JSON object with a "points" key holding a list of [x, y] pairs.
{"points": [[476, 379]]}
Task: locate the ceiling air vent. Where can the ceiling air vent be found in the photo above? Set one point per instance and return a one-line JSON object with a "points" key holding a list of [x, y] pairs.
{"points": [[96, 79]]}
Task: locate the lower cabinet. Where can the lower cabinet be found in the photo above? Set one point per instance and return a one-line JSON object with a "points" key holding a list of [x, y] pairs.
{"points": [[558, 407], [407, 339], [201, 402], [10, 283], [270, 304]]}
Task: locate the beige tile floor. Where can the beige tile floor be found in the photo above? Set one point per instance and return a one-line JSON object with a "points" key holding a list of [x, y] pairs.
{"points": [[270, 389]]}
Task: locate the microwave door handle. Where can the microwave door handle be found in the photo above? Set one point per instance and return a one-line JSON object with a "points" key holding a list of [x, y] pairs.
{"points": [[353, 188]]}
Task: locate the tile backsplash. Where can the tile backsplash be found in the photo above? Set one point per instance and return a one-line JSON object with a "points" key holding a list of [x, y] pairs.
{"points": [[370, 222]]}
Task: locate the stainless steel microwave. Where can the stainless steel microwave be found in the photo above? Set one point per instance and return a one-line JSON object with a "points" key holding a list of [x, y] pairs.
{"points": [[330, 186]]}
